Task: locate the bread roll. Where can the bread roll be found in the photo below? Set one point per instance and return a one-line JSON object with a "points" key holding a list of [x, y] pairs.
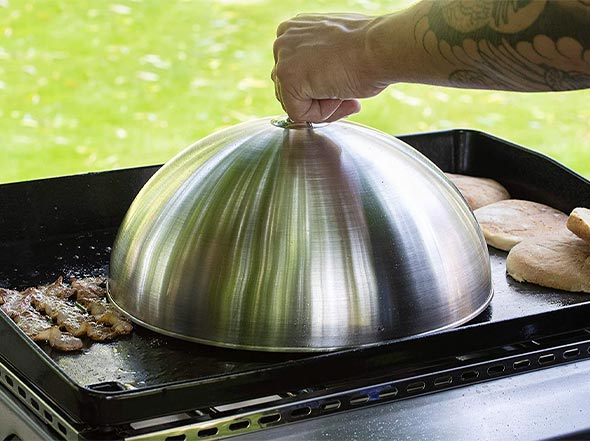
{"points": [[509, 222]]}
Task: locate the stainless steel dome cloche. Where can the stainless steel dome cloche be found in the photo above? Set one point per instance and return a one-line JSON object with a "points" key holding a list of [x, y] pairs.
{"points": [[295, 237]]}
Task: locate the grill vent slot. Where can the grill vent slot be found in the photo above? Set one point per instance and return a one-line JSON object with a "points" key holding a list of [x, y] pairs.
{"points": [[354, 401], [301, 412], [416, 387], [269, 419], [547, 358], [496, 369], [469, 375], [331, 405], [443, 381], [521, 364], [571, 353], [205, 433], [240, 425], [388, 393]]}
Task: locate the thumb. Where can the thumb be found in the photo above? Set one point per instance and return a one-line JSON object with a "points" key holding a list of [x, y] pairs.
{"points": [[323, 110]]}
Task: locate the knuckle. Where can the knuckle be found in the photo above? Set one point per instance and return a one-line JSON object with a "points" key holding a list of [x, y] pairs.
{"points": [[282, 27], [276, 46]]}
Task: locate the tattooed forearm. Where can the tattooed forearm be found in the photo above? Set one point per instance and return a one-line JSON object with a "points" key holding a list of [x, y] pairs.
{"points": [[532, 45]]}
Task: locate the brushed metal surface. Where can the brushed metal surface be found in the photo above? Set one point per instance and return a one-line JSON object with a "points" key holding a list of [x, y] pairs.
{"points": [[299, 238]]}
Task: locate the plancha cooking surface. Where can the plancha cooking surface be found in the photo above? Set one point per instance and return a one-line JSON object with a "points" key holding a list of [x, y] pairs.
{"points": [[66, 226], [146, 358]]}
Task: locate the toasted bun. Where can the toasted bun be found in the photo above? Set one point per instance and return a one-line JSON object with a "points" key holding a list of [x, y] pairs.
{"points": [[579, 223], [509, 222], [559, 261], [479, 192]]}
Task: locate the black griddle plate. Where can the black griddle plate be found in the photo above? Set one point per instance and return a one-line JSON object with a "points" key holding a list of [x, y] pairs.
{"points": [[65, 226]]}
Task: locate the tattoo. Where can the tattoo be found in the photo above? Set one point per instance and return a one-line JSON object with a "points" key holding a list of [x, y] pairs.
{"points": [[501, 9], [531, 45]]}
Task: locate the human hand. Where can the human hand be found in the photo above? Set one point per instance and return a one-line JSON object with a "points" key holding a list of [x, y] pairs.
{"points": [[323, 63]]}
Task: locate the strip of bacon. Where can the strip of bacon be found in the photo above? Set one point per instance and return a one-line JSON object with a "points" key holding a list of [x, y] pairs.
{"points": [[61, 311], [48, 313], [3, 294], [76, 320], [58, 289], [38, 327], [91, 293], [63, 341]]}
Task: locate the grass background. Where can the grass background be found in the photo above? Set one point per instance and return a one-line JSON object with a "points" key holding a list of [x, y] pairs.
{"points": [[96, 85]]}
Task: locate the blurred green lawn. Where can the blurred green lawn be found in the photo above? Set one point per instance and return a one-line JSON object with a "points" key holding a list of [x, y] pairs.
{"points": [[95, 85]]}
